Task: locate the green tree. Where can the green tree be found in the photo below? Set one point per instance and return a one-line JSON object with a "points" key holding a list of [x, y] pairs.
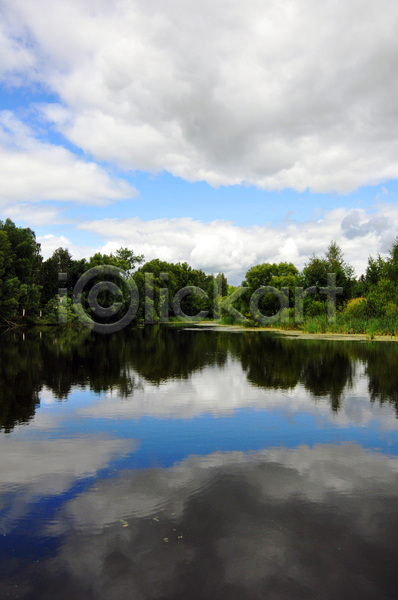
{"points": [[277, 275], [157, 275], [127, 260], [375, 270], [20, 262], [61, 261], [391, 264], [316, 271], [382, 284]]}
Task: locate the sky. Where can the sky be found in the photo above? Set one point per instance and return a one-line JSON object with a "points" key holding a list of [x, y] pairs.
{"points": [[224, 134]]}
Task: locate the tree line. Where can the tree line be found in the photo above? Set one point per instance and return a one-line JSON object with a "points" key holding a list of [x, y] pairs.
{"points": [[31, 288]]}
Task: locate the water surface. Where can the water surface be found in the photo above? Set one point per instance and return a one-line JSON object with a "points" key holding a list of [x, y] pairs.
{"points": [[165, 463]]}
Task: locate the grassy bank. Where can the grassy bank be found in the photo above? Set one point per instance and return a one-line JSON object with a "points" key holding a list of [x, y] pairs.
{"points": [[343, 324]]}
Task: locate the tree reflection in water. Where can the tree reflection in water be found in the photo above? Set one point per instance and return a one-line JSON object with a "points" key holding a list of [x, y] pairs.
{"points": [[64, 358]]}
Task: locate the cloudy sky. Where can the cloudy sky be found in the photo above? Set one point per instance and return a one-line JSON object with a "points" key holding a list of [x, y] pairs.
{"points": [[224, 134]]}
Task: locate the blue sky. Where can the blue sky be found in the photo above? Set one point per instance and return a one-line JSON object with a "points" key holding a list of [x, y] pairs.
{"points": [[223, 135]]}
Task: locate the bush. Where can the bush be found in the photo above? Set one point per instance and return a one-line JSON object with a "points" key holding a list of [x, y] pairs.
{"points": [[314, 308], [227, 319], [356, 308], [391, 309], [382, 298]]}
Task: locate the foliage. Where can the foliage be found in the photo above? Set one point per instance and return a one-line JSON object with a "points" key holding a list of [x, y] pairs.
{"points": [[357, 307], [315, 273], [20, 263], [278, 276], [314, 307], [31, 288]]}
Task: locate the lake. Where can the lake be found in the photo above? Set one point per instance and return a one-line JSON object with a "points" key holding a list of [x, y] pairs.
{"points": [[188, 463]]}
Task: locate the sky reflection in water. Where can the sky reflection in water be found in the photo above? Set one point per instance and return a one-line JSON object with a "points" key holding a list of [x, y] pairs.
{"points": [[166, 463]]}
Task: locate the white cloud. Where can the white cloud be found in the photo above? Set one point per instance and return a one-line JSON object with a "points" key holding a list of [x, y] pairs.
{"points": [[50, 242], [221, 246], [296, 93], [33, 171], [34, 214], [16, 58], [276, 95]]}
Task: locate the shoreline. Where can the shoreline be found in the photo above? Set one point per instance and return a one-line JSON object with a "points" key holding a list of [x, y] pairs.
{"points": [[289, 333], [297, 334]]}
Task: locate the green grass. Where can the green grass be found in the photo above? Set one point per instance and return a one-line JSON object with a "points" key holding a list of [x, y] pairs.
{"points": [[348, 324], [343, 324], [227, 320]]}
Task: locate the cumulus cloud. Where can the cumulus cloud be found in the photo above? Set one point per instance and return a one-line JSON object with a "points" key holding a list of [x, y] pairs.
{"points": [[294, 93], [35, 214], [280, 523], [50, 242], [32, 170], [17, 59], [276, 95], [222, 246]]}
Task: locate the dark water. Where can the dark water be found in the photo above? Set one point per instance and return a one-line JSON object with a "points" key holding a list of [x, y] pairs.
{"points": [[190, 464]]}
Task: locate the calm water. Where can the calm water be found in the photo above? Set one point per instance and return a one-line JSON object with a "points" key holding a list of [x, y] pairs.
{"points": [[192, 464]]}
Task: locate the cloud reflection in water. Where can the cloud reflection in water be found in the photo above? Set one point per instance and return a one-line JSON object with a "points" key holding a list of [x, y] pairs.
{"points": [[317, 522]]}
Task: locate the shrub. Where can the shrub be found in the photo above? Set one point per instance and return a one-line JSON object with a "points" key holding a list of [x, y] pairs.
{"points": [[391, 309], [314, 308], [356, 308], [227, 319]]}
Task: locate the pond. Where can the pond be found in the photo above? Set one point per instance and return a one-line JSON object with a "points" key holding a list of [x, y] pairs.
{"points": [[186, 463]]}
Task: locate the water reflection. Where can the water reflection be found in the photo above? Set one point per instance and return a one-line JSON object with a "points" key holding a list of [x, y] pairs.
{"points": [[322, 369], [125, 362], [317, 522], [166, 463]]}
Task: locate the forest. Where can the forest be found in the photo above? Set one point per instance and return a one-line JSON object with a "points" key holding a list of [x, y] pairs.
{"points": [[34, 291]]}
